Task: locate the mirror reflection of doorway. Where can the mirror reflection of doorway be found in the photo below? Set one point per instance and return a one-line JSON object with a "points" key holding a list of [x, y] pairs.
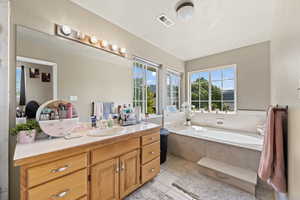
{"points": [[36, 83]]}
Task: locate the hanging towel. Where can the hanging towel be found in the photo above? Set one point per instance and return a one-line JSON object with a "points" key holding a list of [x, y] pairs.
{"points": [[107, 109], [98, 110], [272, 165]]}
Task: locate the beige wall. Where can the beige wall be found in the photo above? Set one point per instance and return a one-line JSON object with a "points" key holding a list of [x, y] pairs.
{"points": [[36, 90], [253, 73], [285, 75], [4, 84]]}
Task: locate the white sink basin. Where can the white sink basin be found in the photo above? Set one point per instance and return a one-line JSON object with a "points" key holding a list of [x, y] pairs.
{"points": [[104, 132]]}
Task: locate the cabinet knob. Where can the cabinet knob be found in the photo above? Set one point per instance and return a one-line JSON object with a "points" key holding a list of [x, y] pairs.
{"points": [[60, 195], [152, 152], [152, 170], [61, 169]]}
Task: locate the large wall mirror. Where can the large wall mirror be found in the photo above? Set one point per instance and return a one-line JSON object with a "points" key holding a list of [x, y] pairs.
{"points": [[49, 67]]}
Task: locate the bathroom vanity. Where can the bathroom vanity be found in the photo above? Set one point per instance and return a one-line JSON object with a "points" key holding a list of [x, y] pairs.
{"points": [[89, 168]]}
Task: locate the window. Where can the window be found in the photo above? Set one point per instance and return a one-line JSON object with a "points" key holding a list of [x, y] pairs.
{"points": [[18, 83], [214, 90], [145, 81], [173, 88]]}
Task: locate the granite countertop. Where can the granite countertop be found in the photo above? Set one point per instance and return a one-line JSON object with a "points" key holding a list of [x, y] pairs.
{"points": [[44, 146]]}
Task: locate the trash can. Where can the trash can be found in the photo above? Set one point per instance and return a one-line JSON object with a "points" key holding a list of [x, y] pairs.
{"points": [[163, 145]]}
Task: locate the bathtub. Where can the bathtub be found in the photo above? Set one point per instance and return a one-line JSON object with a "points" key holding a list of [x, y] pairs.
{"points": [[238, 148], [236, 138]]}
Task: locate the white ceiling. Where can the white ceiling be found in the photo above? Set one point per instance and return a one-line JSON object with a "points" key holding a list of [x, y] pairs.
{"points": [[217, 25]]}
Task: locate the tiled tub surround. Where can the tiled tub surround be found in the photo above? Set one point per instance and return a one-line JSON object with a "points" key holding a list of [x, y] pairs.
{"points": [[192, 145]]}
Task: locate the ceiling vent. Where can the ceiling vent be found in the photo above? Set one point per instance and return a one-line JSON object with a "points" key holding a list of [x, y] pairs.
{"points": [[165, 20]]}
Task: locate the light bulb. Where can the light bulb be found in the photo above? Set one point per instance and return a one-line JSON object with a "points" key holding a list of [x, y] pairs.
{"points": [[66, 30], [93, 40], [80, 35], [123, 50], [104, 43], [114, 47]]}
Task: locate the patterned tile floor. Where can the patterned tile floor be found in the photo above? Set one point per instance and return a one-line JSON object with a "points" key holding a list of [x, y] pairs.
{"points": [[184, 173]]}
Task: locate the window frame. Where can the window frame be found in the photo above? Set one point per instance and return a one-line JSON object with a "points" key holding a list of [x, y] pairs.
{"points": [[175, 73], [209, 70], [145, 65]]}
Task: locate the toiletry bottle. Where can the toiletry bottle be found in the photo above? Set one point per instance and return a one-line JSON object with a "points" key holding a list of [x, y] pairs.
{"points": [[110, 122]]}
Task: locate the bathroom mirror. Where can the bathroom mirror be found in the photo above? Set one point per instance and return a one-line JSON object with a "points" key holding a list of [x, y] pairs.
{"points": [[49, 67]]}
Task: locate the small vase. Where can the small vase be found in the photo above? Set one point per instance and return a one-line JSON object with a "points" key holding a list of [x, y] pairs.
{"points": [[26, 137]]}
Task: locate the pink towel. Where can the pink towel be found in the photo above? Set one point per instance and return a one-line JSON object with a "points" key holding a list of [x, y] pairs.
{"points": [[272, 166]]}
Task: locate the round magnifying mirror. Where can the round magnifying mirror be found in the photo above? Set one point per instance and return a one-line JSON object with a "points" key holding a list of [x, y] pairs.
{"points": [[57, 118]]}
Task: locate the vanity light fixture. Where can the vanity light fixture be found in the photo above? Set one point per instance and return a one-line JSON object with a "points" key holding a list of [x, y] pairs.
{"points": [[89, 40], [104, 43], [114, 47], [66, 30], [80, 35], [93, 39], [123, 50]]}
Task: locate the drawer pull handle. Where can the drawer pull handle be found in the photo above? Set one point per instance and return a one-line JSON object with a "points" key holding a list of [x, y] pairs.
{"points": [[152, 170], [60, 195], [152, 152], [152, 138], [61, 169]]}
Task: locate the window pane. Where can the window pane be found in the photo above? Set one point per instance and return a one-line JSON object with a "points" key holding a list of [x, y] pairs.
{"points": [[216, 75], [228, 85], [204, 105], [216, 89], [228, 106], [195, 91], [228, 95], [228, 73], [196, 104], [216, 106], [151, 90]]}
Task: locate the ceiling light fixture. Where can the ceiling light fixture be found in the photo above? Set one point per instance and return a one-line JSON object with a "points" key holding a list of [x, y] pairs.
{"points": [[185, 10]]}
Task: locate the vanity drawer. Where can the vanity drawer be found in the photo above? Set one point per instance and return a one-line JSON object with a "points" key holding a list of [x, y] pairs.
{"points": [[150, 170], [148, 139], [113, 150], [43, 173], [69, 187], [150, 152]]}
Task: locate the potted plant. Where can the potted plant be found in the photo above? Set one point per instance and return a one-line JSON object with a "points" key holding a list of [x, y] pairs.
{"points": [[26, 132]]}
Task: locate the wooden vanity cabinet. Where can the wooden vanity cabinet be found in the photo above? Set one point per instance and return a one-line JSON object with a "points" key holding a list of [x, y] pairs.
{"points": [[105, 180], [105, 170]]}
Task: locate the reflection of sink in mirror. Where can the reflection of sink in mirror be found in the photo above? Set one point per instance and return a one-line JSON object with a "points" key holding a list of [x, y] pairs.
{"points": [[104, 132]]}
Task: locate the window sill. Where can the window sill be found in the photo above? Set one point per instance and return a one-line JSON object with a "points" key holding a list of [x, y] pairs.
{"points": [[217, 113]]}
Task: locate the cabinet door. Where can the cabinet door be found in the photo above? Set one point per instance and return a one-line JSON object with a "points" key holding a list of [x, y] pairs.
{"points": [[130, 173], [105, 180]]}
